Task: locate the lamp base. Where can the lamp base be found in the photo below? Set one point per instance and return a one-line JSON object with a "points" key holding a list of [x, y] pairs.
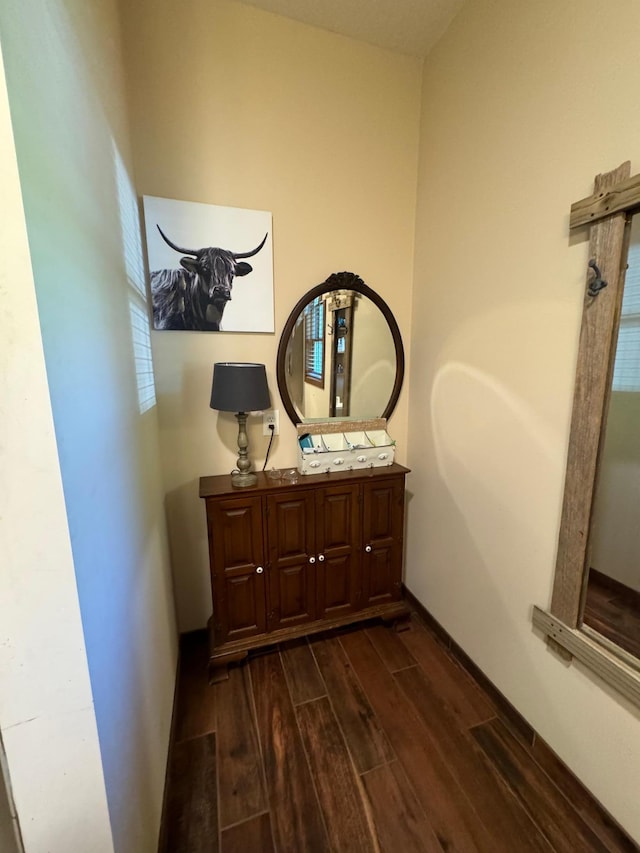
{"points": [[242, 479], [244, 476]]}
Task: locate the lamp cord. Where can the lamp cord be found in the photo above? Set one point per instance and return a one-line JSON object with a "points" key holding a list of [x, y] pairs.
{"points": [[266, 458]]}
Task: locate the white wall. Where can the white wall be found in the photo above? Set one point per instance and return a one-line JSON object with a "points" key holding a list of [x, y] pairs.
{"points": [[64, 76], [51, 755], [231, 105], [521, 109]]}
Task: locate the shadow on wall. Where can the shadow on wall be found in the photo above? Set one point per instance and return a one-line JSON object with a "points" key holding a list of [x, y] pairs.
{"points": [[487, 441], [492, 505], [187, 522], [478, 581]]}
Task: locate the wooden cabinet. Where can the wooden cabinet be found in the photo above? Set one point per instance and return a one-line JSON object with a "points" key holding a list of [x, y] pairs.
{"points": [[289, 559]]}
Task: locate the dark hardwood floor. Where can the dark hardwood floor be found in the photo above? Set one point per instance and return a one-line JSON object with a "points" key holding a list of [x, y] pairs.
{"points": [[364, 740], [613, 610]]}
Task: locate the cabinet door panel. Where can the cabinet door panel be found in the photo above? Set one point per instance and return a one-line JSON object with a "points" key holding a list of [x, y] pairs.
{"points": [[336, 590], [292, 594], [380, 569], [338, 512], [236, 549], [383, 509], [292, 578], [244, 612]]}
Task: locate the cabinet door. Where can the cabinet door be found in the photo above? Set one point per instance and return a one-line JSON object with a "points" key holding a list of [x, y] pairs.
{"points": [[292, 558], [383, 512], [237, 566], [338, 566]]}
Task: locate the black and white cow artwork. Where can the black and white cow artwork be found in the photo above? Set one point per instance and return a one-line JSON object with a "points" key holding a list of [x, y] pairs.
{"points": [[194, 298]]}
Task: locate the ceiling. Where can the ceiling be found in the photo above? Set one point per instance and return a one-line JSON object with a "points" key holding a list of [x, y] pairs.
{"points": [[405, 26]]}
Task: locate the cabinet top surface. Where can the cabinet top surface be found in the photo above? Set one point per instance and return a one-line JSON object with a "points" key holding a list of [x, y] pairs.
{"points": [[220, 484]]}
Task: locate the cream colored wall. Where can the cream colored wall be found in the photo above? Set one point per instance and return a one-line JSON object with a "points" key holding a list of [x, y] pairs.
{"points": [[64, 78], [49, 749], [235, 106], [521, 109]]}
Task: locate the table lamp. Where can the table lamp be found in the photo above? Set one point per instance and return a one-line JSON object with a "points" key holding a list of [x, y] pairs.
{"points": [[240, 387]]}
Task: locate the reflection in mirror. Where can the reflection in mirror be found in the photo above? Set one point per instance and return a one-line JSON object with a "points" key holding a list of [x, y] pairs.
{"points": [[340, 358], [340, 355], [612, 605]]}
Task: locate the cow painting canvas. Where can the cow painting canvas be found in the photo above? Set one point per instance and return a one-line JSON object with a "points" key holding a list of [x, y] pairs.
{"points": [[210, 267]]}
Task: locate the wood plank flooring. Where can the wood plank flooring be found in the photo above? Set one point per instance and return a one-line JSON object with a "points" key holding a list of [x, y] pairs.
{"points": [[613, 610], [364, 740]]}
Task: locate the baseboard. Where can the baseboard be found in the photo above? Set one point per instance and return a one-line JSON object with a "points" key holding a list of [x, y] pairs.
{"points": [[557, 771], [172, 733], [521, 727]]}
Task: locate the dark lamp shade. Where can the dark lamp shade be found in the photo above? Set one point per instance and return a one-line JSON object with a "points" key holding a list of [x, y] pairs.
{"points": [[239, 387]]}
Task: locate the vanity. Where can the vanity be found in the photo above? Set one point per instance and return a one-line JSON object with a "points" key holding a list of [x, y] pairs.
{"points": [[291, 558]]}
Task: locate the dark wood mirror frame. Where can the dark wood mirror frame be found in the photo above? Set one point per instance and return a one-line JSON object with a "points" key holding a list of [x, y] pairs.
{"points": [[608, 212], [339, 281]]}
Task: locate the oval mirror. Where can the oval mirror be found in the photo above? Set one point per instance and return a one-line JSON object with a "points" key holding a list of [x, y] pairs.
{"points": [[340, 355]]}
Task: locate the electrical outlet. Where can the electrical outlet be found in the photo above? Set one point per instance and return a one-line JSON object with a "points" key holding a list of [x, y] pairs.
{"points": [[271, 417]]}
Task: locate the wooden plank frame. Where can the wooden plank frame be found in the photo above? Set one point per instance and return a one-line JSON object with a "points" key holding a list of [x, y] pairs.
{"points": [[597, 340], [598, 657], [616, 196], [624, 196]]}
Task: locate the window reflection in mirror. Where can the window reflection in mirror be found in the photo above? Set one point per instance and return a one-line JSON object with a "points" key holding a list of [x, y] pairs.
{"points": [[340, 358], [312, 321], [612, 604]]}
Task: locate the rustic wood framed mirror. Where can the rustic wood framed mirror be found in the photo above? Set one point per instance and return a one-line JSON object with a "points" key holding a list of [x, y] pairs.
{"points": [[612, 213], [340, 355]]}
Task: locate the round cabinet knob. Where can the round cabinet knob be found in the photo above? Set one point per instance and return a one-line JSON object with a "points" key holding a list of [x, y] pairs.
{"points": [[362, 458], [338, 461], [368, 549], [315, 464], [383, 455], [321, 558], [259, 570], [312, 559]]}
